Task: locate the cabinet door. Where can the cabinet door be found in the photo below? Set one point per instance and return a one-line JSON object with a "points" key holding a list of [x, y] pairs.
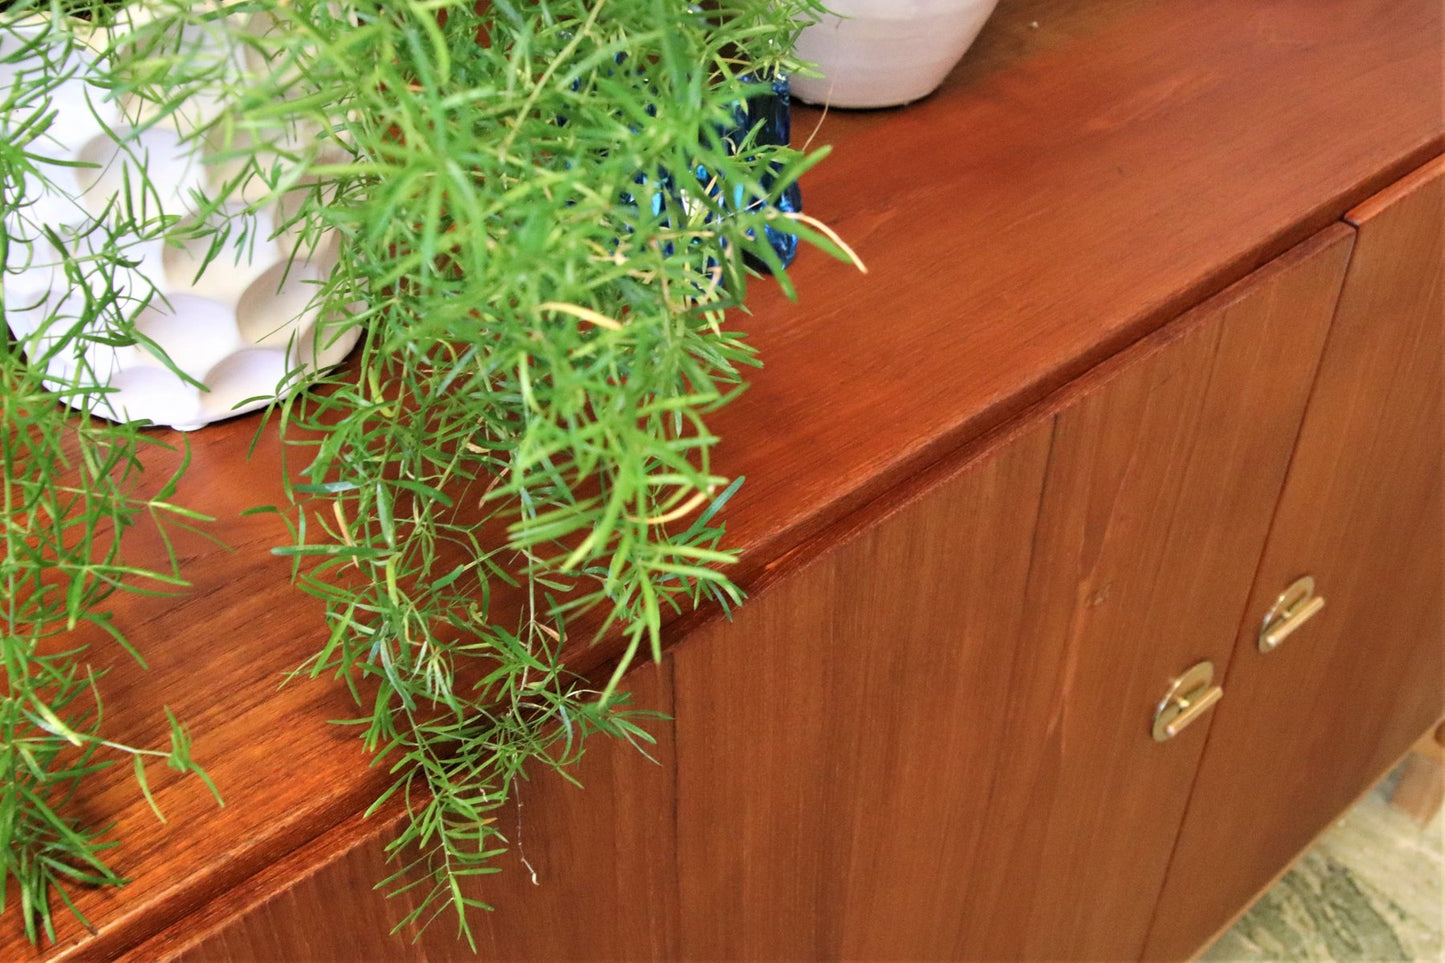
{"points": [[1310, 726], [933, 740]]}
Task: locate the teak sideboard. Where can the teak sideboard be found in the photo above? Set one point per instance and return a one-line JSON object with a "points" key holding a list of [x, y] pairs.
{"points": [[1152, 330]]}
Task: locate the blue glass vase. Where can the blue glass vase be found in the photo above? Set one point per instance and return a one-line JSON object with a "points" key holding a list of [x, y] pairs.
{"points": [[763, 119], [771, 112], [766, 116]]}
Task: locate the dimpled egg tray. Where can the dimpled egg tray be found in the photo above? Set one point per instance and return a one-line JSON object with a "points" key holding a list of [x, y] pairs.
{"points": [[244, 327]]}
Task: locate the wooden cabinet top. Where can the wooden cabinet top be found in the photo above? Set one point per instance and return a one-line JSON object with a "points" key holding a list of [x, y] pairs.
{"points": [[1072, 187]]}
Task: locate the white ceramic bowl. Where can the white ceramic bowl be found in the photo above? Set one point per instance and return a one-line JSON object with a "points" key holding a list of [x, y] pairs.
{"points": [[880, 53]]}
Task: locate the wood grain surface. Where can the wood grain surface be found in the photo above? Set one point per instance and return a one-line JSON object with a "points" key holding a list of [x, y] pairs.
{"points": [[603, 857], [1310, 726], [934, 742], [926, 740], [1019, 227]]}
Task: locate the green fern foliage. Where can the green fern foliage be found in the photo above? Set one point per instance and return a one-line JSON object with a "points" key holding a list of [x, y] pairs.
{"points": [[543, 214]]}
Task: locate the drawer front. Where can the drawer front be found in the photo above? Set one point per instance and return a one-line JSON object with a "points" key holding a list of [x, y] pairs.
{"points": [[1311, 725]]}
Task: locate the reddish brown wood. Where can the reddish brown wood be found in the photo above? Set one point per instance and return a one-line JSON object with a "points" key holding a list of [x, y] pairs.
{"points": [[1308, 727], [1027, 28], [1020, 229], [218, 657], [934, 741], [606, 886], [896, 710]]}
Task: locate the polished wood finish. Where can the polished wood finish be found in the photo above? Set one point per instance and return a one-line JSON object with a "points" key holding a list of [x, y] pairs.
{"points": [[1308, 726], [794, 809], [218, 657], [603, 856], [958, 774], [1020, 229], [1053, 204], [930, 711]]}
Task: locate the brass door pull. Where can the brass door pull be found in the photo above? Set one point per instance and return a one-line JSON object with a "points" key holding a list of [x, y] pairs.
{"points": [[1188, 698], [1295, 606]]}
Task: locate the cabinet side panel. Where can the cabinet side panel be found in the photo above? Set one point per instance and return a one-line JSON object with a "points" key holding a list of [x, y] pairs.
{"points": [[933, 742], [1309, 726]]}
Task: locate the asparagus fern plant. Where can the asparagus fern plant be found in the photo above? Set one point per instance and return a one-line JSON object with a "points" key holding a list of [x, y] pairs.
{"points": [[546, 209]]}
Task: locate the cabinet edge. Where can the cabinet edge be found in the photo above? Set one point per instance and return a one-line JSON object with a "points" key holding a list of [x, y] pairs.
{"points": [[1372, 207]]}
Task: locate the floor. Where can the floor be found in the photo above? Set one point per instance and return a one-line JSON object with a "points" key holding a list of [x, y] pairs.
{"points": [[1370, 890]]}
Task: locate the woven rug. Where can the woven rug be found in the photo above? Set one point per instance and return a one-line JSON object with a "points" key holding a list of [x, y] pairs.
{"points": [[1370, 890]]}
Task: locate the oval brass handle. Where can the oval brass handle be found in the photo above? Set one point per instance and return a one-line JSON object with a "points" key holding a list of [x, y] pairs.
{"points": [[1189, 697], [1295, 606]]}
